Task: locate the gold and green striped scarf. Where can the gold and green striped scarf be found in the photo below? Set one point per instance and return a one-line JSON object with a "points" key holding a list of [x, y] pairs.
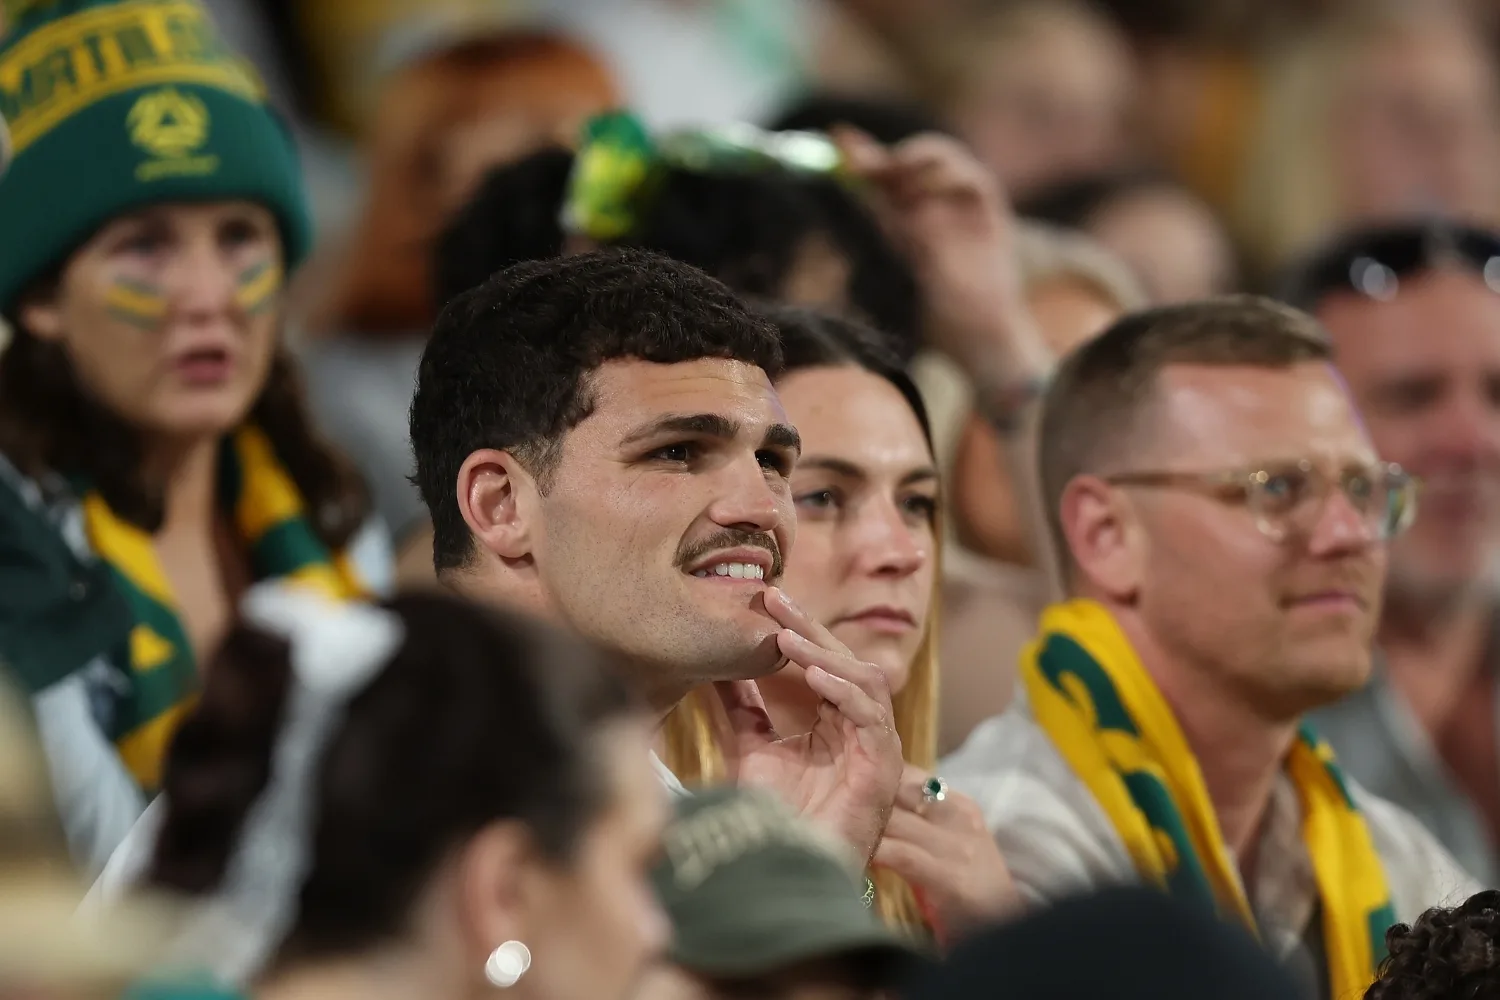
{"points": [[268, 516], [1107, 718]]}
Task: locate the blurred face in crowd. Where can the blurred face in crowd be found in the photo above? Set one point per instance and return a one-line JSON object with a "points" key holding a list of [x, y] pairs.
{"points": [[865, 491], [1424, 368], [1170, 240], [825, 979], [1279, 605], [1418, 125], [1052, 102], [168, 315], [667, 516], [593, 924], [1069, 312]]}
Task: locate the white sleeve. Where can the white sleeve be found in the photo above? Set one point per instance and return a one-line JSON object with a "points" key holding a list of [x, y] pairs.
{"points": [[98, 799], [1056, 840], [127, 866], [1419, 870], [374, 557]]}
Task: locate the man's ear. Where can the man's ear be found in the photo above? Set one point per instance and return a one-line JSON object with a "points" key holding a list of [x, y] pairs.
{"points": [[1105, 542], [495, 495]]}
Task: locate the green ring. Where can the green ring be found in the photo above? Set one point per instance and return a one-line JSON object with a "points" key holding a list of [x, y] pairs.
{"points": [[934, 789]]}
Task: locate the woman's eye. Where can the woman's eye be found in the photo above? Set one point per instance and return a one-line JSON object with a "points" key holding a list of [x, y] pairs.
{"points": [[241, 232], [921, 506], [817, 500]]}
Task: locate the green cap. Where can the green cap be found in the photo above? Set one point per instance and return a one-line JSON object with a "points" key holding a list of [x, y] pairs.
{"points": [[752, 889], [113, 106]]}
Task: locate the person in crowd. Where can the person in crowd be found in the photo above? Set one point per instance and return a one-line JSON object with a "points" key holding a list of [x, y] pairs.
{"points": [[155, 457], [45, 952], [773, 231], [1414, 315], [444, 118], [1165, 233], [762, 904], [1224, 520], [996, 573], [1448, 953], [1388, 109], [765, 235], [598, 441], [1042, 90], [1119, 942], [421, 798], [866, 495]]}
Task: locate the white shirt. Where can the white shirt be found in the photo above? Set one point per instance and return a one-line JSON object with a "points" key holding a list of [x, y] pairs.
{"points": [[1058, 841], [669, 780]]}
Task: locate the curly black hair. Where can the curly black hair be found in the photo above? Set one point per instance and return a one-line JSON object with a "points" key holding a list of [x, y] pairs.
{"points": [[1448, 954], [745, 229]]}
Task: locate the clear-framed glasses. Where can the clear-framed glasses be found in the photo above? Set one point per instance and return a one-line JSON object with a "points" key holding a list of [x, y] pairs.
{"points": [[1288, 498]]}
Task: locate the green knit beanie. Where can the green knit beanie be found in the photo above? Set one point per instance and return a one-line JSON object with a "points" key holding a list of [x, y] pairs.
{"points": [[112, 106]]}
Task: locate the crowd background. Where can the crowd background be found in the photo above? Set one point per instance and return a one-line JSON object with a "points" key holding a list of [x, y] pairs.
{"points": [[1145, 153]]}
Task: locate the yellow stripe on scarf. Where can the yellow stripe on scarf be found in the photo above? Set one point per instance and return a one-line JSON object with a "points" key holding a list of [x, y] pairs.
{"points": [[145, 749], [267, 494], [1348, 870], [127, 548]]}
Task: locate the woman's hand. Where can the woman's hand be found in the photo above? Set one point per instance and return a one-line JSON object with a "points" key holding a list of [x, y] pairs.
{"points": [[946, 853]]}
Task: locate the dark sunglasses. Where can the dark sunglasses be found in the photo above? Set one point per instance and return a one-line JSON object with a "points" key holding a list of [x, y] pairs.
{"points": [[1373, 262]]}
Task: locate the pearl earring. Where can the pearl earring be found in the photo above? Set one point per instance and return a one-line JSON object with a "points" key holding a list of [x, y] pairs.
{"points": [[507, 964]]}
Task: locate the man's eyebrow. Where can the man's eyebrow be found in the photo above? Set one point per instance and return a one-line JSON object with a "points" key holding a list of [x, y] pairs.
{"points": [[705, 424], [784, 436]]}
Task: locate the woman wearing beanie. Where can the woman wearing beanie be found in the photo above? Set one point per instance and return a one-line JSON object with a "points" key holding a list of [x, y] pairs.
{"points": [[154, 456]]}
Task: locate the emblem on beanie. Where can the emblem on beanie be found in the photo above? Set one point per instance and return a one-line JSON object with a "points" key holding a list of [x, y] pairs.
{"points": [[171, 126]]}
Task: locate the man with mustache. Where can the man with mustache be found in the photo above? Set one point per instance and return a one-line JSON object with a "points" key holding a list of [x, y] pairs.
{"points": [[1414, 314], [1223, 519], [598, 441]]}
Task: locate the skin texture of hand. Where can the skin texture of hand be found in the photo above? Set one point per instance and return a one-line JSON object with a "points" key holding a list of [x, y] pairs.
{"points": [[947, 213], [944, 850], [843, 774]]}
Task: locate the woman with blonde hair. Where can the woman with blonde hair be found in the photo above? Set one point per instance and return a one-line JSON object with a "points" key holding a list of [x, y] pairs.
{"points": [[866, 565]]}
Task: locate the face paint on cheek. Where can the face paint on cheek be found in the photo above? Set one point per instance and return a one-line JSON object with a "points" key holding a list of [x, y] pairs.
{"points": [[256, 287], [142, 304]]}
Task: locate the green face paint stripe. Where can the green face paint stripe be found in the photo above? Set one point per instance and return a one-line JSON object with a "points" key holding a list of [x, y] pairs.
{"points": [[257, 286]]}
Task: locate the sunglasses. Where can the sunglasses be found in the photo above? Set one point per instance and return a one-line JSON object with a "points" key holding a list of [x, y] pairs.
{"points": [[1374, 262]]}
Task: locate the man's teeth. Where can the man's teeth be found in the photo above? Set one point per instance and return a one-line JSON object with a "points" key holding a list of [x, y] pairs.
{"points": [[739, 571]]}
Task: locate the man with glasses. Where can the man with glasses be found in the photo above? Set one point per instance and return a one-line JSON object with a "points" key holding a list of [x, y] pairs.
{"points": [[1223, 521], [1414, 316]]}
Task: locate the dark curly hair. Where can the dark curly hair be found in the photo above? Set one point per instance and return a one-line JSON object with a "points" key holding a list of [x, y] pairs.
{"points": [[747, 230], [1448, 954]]}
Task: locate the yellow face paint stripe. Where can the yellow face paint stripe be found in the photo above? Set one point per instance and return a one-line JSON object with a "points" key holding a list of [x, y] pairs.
{"points": [[257, 287], [136, 303]]}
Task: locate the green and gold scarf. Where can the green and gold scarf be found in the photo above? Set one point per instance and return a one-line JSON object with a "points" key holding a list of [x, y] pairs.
{"points": [[269, 518], [1106, 716]]}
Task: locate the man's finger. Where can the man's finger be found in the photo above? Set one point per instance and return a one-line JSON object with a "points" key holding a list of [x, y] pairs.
{"points": [[744, 720], [806, 653], [852, 703], [787, 614]]}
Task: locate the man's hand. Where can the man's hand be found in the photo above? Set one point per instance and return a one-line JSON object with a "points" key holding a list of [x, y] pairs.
{"points": [[844, 773], [948, 214]]}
